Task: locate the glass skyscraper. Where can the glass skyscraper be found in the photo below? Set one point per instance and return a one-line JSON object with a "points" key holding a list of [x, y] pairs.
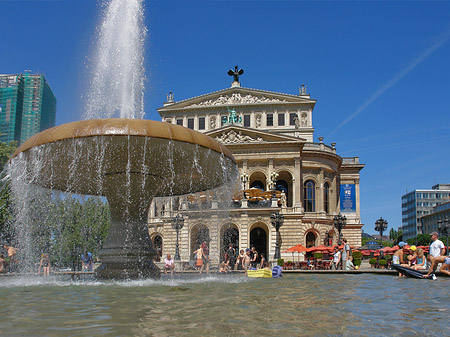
{"points": [[27, 106]]}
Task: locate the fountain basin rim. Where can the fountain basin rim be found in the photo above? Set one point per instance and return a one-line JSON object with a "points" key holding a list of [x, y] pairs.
{"points": [[122, 127]]}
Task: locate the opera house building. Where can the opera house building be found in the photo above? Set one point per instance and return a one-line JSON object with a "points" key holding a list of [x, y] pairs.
{"points": [[283, 170]]}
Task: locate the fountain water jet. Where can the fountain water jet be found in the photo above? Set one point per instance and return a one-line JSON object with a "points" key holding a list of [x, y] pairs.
{"points": [[136, 161]]}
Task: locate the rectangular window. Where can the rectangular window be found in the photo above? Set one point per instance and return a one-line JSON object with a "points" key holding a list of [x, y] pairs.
{"points": [[269, 120], [281, 119], [247, 120], [191, 123], [201, 123], [292, 118], [180, 122]]}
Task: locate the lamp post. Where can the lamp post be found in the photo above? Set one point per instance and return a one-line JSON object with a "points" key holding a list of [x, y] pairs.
{"points": [[244, 180], [339, 222], [177, 224], [380, 227], [277, 220], [273, 179], [443, 227]]}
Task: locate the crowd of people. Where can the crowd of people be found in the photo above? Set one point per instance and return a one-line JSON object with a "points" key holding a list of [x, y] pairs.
{"points": [[245, 260], [9, 262], [414, 257]]}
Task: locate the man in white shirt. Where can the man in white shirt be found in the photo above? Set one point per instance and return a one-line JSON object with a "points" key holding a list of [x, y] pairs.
{"points": [[437, 247]]}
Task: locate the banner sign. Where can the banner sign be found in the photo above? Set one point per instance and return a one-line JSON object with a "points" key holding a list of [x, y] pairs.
{"points": [[348, 198]]}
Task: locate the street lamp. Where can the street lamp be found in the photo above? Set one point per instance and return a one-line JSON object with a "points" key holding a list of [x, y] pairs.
{"points": [[177, 224], [380, 227], [273, 178], [244, 179], [443, 227], [277, 220], [339, 222]]}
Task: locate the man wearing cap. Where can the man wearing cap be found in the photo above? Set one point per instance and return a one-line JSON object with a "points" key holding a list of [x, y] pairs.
{"points": [[437, 247]]}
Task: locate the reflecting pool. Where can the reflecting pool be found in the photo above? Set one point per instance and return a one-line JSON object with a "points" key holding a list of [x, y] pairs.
{"points": [[229, 305]]}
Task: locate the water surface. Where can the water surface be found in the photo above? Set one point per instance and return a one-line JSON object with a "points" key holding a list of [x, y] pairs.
{"points": [[296, 305]]}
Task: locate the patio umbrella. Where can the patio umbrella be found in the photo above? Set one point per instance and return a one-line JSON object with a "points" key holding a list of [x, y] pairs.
{"points": [[319, 248], [297, 248]]}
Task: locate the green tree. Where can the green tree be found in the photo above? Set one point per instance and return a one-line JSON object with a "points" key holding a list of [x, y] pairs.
{"points": [[6, 215], [6, 151], [77, 226]]}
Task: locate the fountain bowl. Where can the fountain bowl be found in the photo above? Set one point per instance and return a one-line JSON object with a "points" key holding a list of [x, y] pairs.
{"points": [[129, 161]]}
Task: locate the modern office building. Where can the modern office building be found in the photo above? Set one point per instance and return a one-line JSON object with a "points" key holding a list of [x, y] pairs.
{"points": [[420, 203], [282, 169], [27, 106], [439, 213]]}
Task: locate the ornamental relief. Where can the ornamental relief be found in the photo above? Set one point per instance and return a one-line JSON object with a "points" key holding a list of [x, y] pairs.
{"points": [[309, 172], [328, 175], [237, 98], [236, 137]]}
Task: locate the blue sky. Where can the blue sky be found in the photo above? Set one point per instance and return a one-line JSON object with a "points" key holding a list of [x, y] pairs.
{"points": [[379, 70]]}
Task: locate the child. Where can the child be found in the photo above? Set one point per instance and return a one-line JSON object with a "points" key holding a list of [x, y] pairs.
{"points": [[349, 264]]}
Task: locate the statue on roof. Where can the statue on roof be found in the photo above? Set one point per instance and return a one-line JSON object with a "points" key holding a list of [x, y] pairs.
{"points": [[235, 73]]}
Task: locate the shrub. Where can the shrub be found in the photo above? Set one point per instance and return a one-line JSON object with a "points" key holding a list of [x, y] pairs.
{"points": [[373, 261], [289, 262], [356, 255], [357, 261], [388, 257], [318, 255], [382, 262], [280, 262]]}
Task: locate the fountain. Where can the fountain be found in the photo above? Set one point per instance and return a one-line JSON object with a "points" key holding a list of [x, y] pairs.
{"points": [[127, 160]]}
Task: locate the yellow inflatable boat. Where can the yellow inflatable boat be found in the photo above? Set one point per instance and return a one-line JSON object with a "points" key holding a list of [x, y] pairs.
{"points": [[265, 273]]}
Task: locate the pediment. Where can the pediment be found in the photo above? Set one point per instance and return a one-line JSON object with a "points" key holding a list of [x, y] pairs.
{"points": [[234, 135], [236, 96]]}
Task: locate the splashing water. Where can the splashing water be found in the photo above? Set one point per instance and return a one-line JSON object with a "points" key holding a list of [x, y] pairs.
{"points": [[118, 73]]}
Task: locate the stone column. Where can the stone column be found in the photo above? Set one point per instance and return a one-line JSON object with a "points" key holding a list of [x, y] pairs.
{"points": [[319, 198], [297, 187]]}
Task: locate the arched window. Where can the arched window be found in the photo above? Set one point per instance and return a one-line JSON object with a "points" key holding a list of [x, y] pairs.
{"points": [[326, 197], [309, 197], [310, 239], [257, 184]]}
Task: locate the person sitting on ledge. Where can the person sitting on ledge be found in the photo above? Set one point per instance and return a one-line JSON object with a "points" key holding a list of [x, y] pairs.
{"points": [[169, 264], [445, 260], [421, 261], [86, 261], [2, 264], [225, 265], [349, 264]]}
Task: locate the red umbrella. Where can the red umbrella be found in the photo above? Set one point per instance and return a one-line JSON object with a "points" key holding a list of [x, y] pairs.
{"points": [[297, 248], [319, 248]]}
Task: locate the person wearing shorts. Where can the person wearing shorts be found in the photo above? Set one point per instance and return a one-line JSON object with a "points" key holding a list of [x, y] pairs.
{"points": [[445, 260]]}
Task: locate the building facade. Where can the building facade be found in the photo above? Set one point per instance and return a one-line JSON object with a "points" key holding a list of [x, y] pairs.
{"points": [[282, 169], [419, 203], [27, 106], [439, 213]]}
